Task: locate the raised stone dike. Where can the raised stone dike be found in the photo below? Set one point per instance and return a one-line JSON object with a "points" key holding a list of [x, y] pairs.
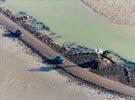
{"points": [[90, 60]]}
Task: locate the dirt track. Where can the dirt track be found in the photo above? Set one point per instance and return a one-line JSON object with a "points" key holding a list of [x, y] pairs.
{"points": [[74, 70]]}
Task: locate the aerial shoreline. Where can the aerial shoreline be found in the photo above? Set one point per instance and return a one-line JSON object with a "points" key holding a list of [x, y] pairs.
{"points": [[62, 50], [92, 24], [53, 44], [67, 61], [18, 79]]}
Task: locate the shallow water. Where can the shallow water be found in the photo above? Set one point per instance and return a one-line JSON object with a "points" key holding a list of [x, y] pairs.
{"points": [[75, 22]]}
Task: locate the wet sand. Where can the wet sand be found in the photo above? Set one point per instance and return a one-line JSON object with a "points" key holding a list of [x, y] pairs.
{"points": [[17, 82], [120, 11]]}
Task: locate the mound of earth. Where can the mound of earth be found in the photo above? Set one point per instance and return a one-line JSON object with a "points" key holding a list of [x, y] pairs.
{"points": [[105, 67]]}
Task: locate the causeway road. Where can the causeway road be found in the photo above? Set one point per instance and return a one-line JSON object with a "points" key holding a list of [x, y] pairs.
{"points": [[68, 66]]}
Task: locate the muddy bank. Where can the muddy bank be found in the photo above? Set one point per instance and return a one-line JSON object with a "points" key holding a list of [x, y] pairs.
{"points": [[120, 11]]}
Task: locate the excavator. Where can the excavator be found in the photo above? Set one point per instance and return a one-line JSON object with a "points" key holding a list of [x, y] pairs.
{"points": [[57, 60], [17, 33]]}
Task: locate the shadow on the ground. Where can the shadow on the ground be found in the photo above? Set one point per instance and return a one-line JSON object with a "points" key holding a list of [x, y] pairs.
{"points": [[49, 68], [9, 35], [46, 61], [44, 69]]}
